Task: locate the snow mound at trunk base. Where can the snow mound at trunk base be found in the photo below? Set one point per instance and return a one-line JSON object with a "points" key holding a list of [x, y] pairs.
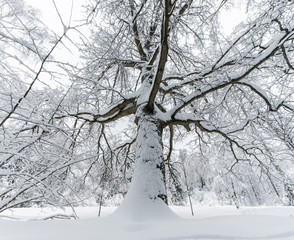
{"points": [[142, 208]]}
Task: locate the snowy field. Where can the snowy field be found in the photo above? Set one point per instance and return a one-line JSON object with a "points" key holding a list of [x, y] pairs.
{"points": [[208, 223]]}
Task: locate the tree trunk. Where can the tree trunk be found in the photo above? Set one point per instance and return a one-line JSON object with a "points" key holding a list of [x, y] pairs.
{"points": [[147, 193], [149, 175]]}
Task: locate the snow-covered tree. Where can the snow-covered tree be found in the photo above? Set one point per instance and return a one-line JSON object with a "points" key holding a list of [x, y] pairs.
{"points": [[167, 68], [32, 167], [167, 65]]}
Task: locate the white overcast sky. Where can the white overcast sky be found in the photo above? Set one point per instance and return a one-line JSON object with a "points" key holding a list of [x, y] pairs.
{"points": [[50, 17], [65, 7]]}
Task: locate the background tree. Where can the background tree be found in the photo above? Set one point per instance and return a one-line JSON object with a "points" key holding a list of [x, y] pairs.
{"points": [[166, 68], [35, 151]]}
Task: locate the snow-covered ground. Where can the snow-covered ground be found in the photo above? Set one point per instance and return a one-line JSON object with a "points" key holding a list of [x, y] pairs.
{"points": [[208, 223]]}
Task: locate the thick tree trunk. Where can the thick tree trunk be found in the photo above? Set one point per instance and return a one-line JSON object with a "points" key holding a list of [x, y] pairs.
{"points": [[149, 175], [147, 191]]}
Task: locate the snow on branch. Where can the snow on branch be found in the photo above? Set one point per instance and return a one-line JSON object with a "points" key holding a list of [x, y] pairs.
{"points": [[59, 216], [233, 78], [121, 109]]}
